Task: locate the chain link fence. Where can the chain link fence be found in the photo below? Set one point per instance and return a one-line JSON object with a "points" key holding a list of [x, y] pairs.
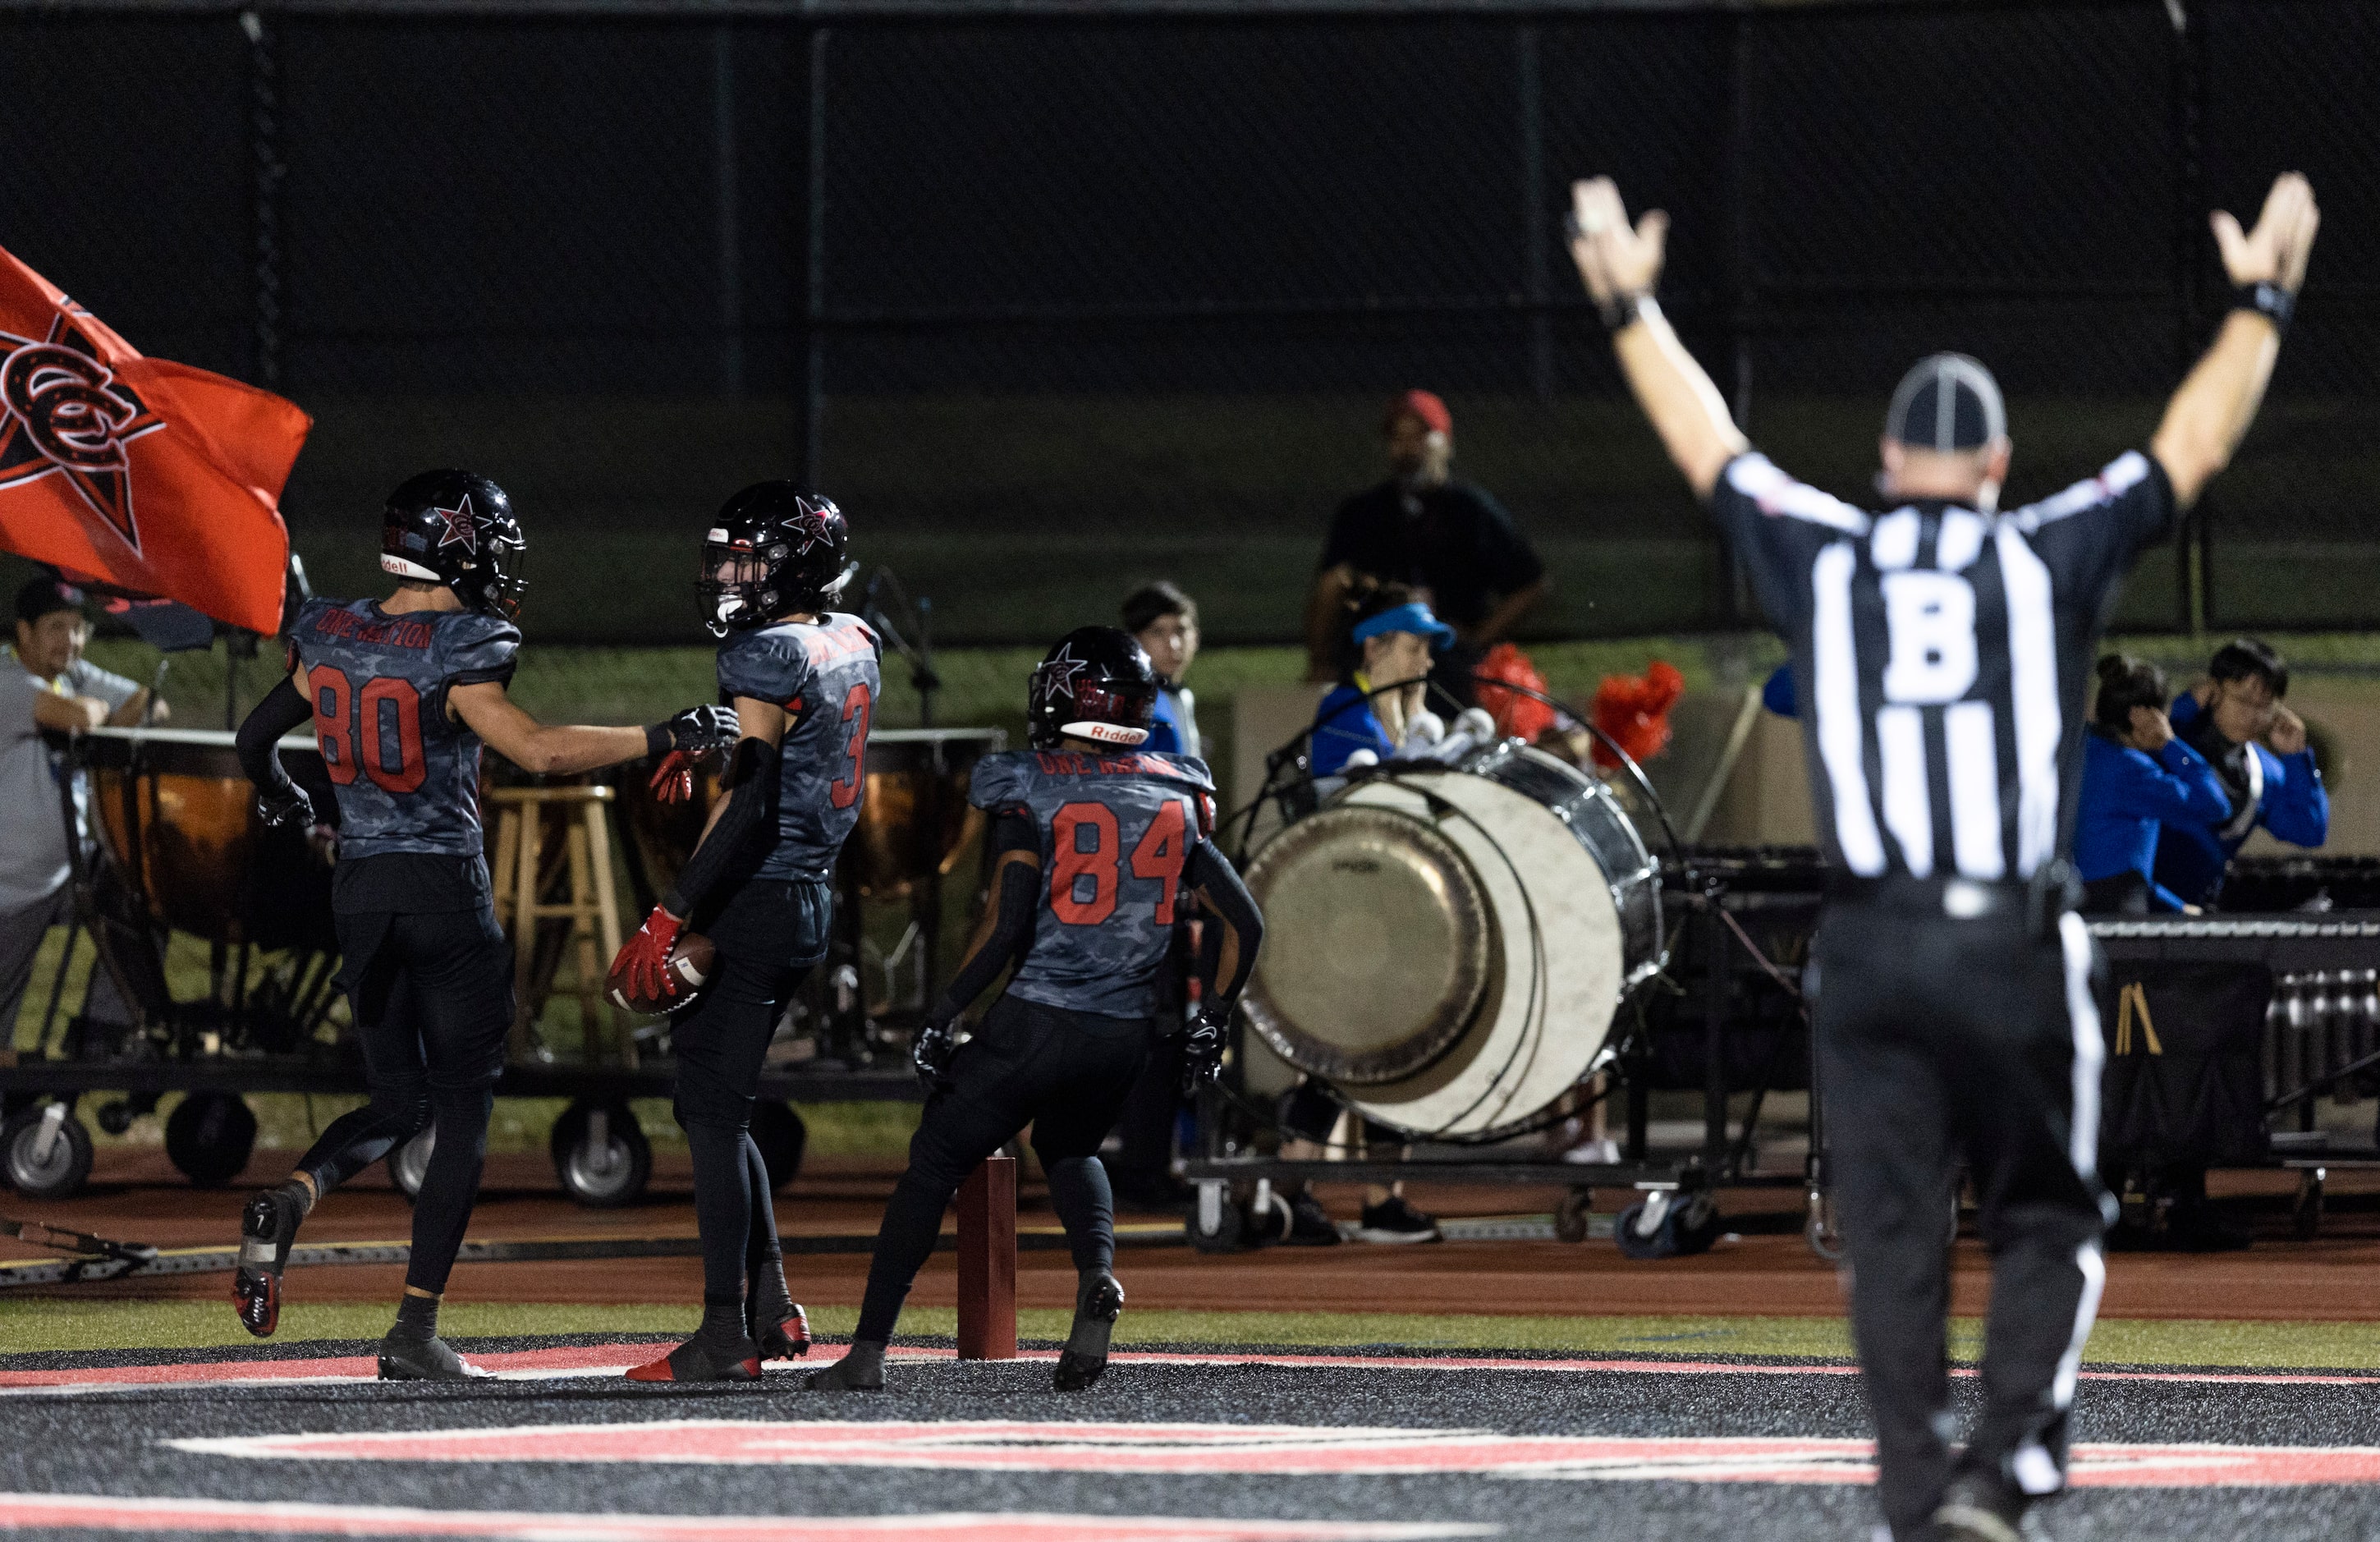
{"points": [[1059, 298]]}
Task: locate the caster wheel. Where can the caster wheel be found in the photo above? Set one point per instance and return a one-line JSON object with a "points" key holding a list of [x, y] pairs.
{"points": [[46, 1153], [1215, 1223], [208, 1137], [782, 1137], [409, 1164], [1570, 1216], [600, 1155]]}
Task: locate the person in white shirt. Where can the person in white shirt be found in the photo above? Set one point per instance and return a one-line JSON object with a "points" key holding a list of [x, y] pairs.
{"points": [[45, 682]]}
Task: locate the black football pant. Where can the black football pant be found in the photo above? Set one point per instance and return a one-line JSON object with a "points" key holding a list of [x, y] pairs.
{"points": [[769, 935], [433, 996], [1067, 1073], [1948, 1042]]}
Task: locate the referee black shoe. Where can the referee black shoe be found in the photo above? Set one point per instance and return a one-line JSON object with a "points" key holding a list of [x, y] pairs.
{"points": [[1097, 1303], [1980, 1508]]}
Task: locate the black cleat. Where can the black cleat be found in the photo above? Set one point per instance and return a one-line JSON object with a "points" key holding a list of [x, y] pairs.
{"points": [[861, 1369], [1309, 1223], [268, 1228], [1978, 1508], [772, 1318], [425, 1360], [1097, 1306]]}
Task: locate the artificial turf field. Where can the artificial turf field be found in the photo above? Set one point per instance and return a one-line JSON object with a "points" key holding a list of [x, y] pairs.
{"points": [[143, 1418]]}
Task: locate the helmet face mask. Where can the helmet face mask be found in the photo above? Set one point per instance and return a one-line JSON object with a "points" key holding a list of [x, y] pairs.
{"points": [[773, 549], [1097, 684]]}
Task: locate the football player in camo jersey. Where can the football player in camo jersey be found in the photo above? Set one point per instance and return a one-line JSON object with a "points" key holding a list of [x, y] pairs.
{"points": [[1094, 843], [401, 693], [803, 677]]}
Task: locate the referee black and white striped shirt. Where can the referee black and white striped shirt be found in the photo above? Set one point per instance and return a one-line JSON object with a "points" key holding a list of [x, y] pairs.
{"points": [[1941, 651]]}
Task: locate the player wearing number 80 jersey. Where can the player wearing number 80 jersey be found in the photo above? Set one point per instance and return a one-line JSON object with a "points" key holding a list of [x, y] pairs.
{"points": [[402, 692], [1094, 842]]}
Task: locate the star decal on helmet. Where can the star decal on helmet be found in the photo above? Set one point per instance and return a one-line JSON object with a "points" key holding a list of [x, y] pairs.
{"points": [[809, 526], [1062, 667], [459, 526]]}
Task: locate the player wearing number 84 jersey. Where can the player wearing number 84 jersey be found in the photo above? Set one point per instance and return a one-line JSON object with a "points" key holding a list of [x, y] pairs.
{"points": [[1094, 843], [401, 693]]}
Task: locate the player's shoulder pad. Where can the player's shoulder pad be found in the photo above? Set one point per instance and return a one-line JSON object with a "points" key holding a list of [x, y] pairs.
{"points": [[847, 624], [478, 648], [767, 664], [1001, 781]]}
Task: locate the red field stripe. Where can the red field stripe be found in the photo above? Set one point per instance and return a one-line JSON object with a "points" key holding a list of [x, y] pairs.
{"points": [[346, 1367], [103, 1513]]}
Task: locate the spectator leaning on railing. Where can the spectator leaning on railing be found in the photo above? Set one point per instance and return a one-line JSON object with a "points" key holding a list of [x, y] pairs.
{"points": [[47, 684]]}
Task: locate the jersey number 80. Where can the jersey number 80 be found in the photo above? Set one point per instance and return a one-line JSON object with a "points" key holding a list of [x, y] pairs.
{"points": [[1088, 861], [344, 715]]}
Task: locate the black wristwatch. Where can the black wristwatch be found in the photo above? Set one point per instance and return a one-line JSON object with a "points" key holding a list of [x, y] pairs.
{"points": [[2268, 300]]}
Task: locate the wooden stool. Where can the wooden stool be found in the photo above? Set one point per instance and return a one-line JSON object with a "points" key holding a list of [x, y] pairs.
{"points": [[592, 908]]}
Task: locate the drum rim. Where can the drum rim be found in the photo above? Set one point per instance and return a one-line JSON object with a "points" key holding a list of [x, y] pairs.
{"points": [[1437, 1038]]}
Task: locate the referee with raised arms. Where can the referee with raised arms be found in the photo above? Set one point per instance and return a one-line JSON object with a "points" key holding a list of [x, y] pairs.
{"points": [[1943, 646]]}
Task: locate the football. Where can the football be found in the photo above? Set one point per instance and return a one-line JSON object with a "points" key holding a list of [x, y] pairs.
{"points": [[691, 962]]}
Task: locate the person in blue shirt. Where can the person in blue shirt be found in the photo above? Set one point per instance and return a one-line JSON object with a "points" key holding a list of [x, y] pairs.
{"points": [[2258, 748], [2136, 776], [1164, 621], [1387, 637]]}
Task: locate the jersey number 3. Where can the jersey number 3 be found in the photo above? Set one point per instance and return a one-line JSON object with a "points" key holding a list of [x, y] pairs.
{"points": [[844, 791], [344, 715], [1090, 848]]}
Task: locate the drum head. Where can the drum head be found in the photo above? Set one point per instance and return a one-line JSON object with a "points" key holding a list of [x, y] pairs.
{"points": [[1377, 945]]}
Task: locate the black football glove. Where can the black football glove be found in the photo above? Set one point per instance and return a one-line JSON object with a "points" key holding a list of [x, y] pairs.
{"points": [[699, 730], [284, 805], [930, 1051], [1202, 1049]]}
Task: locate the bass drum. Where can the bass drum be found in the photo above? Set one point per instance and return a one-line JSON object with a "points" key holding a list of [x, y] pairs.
{"points": [[1448, 946]]}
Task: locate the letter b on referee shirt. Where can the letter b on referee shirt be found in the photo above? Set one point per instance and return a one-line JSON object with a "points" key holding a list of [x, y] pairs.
{"points": [[1930, 619]]}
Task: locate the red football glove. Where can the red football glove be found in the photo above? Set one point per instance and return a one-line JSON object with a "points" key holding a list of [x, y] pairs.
{"points": [[643, 964], [673, 781]]}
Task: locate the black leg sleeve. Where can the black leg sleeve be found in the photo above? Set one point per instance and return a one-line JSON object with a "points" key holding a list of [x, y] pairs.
{"points": [[1079, 1193], [954, 1136], [760, 1245]]}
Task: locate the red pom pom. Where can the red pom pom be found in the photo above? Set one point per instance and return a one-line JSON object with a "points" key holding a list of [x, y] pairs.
{"points": [[1634, 710]]}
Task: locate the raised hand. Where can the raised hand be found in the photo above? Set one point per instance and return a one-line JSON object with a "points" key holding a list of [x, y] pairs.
{"points": [[2277, 250], [2288, 735], [1617, 260]]}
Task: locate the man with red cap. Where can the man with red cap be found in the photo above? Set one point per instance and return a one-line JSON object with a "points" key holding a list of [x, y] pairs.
{"points": [[1448, 540]]}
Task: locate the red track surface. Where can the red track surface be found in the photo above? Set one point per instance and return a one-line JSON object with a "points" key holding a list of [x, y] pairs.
{"points": [[2328, 1279]]}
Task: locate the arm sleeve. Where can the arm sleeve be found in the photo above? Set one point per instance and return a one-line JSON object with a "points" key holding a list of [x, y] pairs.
{"points": [[2298, 811], [2179, 788], [1228, 901], [281, 709], [740, 838], [1016, 906]]}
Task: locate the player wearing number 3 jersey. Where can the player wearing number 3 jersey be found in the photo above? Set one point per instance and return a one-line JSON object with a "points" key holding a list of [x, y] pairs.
{"points": [[803, 679], [402, 692], [1094, 843]]}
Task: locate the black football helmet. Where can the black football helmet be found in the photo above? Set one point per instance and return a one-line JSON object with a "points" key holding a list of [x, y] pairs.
{"points": [[456, 529], [1097, 685], [773, 548]]}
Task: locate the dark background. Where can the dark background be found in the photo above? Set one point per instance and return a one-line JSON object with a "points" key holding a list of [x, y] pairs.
{"points": [[1057, 299]]}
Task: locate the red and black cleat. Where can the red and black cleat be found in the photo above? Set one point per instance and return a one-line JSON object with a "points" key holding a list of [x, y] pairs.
{"points": [[789, 1337], [267, 1229], [697, 1360]]}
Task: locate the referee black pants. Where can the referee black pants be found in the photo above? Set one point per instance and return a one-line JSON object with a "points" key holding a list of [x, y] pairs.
{"points": [[1946, 1042]]}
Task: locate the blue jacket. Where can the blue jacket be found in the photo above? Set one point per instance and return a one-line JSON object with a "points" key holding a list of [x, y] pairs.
{"points": [[2191, 854], [2127, 793], [1344, 725]]}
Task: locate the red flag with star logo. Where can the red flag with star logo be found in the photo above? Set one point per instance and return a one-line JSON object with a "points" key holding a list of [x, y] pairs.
{"points": [[136, 474]]}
